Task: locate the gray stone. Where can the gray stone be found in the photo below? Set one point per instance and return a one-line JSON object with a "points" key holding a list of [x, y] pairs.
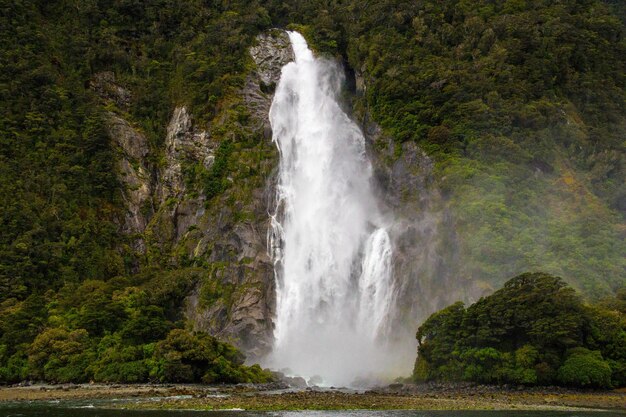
{"points": [[132, 143], [134, 175], [296, 382], [183, 144], [271, 52]]}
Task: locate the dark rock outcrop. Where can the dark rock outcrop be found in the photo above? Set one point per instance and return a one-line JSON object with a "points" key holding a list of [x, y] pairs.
{"points": [[239, 247], [423, 233]]}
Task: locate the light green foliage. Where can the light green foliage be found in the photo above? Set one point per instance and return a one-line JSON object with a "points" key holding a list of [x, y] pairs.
{"points": [[119, 362], [535, 330], [59, 355]]}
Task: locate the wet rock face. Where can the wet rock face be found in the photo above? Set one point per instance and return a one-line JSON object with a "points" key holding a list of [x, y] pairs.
{"points": [[424, 239], [247, 320], [271, 52]]}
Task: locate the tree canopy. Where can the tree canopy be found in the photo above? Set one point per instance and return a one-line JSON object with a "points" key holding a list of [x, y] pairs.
{"points": [[534, 331]]}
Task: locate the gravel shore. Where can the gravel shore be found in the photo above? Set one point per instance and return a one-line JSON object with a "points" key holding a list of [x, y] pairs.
{"points": [[279, 397]]}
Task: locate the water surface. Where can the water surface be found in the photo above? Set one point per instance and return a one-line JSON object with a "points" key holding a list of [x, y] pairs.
{"points": [[88, 409]]}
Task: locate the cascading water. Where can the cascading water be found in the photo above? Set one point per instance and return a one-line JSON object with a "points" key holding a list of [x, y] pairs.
{"points": [[329, 239]]}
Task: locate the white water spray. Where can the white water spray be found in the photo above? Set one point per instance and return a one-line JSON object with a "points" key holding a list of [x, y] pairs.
{"points": [[329, 240]]}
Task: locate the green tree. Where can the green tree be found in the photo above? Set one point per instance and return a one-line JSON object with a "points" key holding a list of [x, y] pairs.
{"points": [[584, 368], [535, 330]]}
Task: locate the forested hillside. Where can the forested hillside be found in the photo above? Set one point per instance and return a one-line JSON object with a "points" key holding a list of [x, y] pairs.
{"points": [[534, 331], [519, 103], [522, 105], [73, 290]]}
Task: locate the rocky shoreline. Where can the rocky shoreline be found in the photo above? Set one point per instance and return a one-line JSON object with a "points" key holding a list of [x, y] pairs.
{"points": [[277, 396]]}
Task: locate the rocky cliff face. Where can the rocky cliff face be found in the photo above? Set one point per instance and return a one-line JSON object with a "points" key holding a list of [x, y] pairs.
{"points": [[242, 277], [423, 235], [170, 217], [169, 214], [132, 168], [236, 300], [180, 210], [183, 144]]}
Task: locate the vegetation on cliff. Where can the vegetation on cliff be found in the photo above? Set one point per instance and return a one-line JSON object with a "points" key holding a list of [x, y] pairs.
{"points": [[113, 331], [77, 302], [534, 331], [520, 103]]}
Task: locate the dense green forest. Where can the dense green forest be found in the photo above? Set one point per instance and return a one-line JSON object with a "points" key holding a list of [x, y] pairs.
{"points": [[522, 105], [534, 331], [519, 102], [73, 305]]}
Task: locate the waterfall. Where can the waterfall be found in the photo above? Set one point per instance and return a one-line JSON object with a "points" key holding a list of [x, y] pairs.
{"points": [[329, 239]]}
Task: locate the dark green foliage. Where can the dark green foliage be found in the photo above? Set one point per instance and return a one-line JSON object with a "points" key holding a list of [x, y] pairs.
{"points": [[445, 327], [535, 330], [215, 181], [520, 103], [536, 309], [584, 368], [56, 161], [76, 302], [187, 357], [119, 362], [130, 340]]}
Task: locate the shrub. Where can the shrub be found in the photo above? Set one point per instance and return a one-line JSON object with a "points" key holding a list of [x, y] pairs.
{"points": [[421, 370], [584, 368], [192, 357]]}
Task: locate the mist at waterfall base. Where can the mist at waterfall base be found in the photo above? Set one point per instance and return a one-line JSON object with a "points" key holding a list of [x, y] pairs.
{"points": [[329, 239]]}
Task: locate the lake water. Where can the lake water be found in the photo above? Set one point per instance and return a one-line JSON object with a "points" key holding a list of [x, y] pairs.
{"points": [[87, 409]]}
